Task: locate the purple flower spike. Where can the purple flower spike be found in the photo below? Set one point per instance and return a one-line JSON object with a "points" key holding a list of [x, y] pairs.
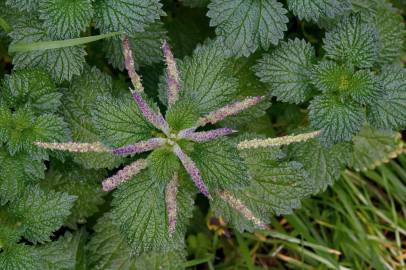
{"points": [[228, 110], [192, 170], [139, 147], [154, 118], [123, 175], [173, 77], [205, 136], [130, 66], [170, 200]]}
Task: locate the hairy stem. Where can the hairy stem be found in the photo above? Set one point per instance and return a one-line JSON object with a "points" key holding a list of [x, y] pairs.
{"points": [[173, 77], [285, 140], [124, 174], [130, 66], [170, 200], [96, 147], [139, 147]]}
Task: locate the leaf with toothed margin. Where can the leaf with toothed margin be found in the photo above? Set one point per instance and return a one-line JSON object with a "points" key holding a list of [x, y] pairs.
{"points": [[286, 71], [109, 251], [389, 112], [20, 256], [32, 88], [207, 78], [62, 63], [129, 16], [337, 119], [246, 25], [324, 164], [373, 147], [146, 47], [66, 19], [220, 165], [41, 213], [139, 211], [182, 115], [353, 41], [119, 122], [23, 5], [313, 10], [162, 164], [78, 102], [276, 187]]}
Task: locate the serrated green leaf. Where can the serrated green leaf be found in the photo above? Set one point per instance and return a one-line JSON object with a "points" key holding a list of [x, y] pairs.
{"points": [[62, 254], [352, 41], [146, 47], [21, 257], [119, 122], [140, 212], [246, 25], [83, 184], [107, 248], [276, 187], [286, 70], [66, 19], [389, 112], [79, 101], [31, 88], [10, 230], [24, 5], [173, 260], [207, 79], [129, 16], [61, 63], [162, 164], [391, 33], [373, 147], [220, 165], [183, 114], [313, 10], [337, 119], [41, 213], [324, 164], [361, 85]]}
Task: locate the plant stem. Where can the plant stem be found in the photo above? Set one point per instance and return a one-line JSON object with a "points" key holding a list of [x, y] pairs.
{"points": [[4, 24], [56, 44]]}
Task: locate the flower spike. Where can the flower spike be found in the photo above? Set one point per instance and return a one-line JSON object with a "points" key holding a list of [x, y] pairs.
{"points": [[242, 208], [96, 147], [153, 117], [228, 110], [139, 147], [124, 174], [170, 200], [205, 136], [277, 141], [130, 66], [192, 170], [172, 77]]}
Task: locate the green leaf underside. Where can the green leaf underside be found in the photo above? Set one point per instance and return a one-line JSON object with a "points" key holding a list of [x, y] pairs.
{"points": [[139, 211], [389, 112], [119, 122], [61, 63], [352, 41], [276, 187], [361, 86], [31, 88], [313, 10], [324, 164], [41, 213], [286, 70], [373, 147], [109, 251], [129, 16], [220, 165], [66, 19], [337, 119], [79, 102], [246, 25], [207, 79]]}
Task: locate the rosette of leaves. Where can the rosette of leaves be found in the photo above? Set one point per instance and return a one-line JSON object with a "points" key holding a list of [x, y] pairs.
{"points": [[152, 203]]}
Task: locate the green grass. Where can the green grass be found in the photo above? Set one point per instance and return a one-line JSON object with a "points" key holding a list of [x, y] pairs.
{"points": [[359, 223]]}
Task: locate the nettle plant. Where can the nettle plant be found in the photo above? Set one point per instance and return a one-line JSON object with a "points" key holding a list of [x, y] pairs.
{"points": [[242, 121]]}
